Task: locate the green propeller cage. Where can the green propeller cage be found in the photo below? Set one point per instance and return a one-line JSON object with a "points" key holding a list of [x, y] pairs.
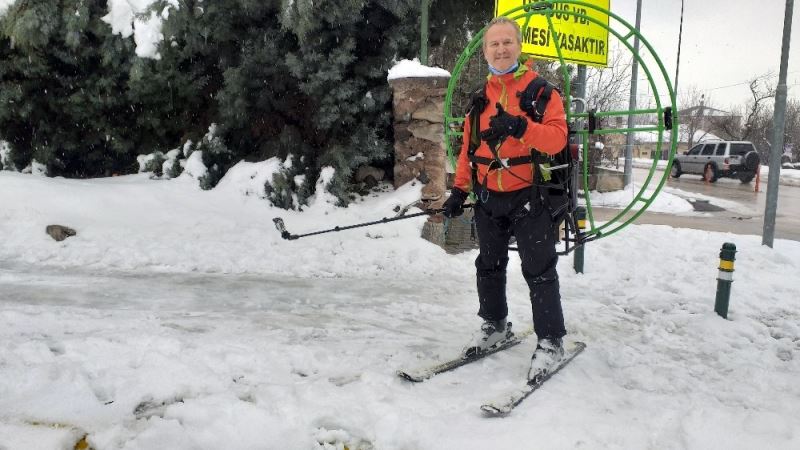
{"points": [[666, 114]]}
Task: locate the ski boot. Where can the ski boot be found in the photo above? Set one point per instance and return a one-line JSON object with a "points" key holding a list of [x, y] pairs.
{"points": [[548, 354], [491, 334]]}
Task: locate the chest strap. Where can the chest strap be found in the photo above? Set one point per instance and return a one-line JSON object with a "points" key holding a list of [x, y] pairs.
{"points": [[504, 162]]}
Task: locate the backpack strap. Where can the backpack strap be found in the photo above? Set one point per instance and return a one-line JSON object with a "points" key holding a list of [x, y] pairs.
{"points": [[534, 99], [478, 103], [504, 162]]}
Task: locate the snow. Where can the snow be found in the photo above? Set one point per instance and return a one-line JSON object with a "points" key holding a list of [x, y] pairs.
{"points": [[194, 166], [5, 154], [788, 176], [178, 318], [129, 17], [35, 168], [147, 36], [247, 178], [407, 68], [669, 200]]}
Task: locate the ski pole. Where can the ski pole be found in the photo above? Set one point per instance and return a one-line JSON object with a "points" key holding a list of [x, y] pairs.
{"points": [[289, 236]]}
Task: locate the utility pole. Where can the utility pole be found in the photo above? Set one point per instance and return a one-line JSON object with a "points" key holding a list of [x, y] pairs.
{"points": [[423, 32], [778, 126], [678, 61], [627, 177]]}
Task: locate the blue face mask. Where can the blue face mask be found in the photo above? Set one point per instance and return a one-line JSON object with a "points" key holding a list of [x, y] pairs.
{"points": [[503, 72]]}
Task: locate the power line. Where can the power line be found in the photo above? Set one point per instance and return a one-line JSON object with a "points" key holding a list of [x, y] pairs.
{"points": [[748, 81]]}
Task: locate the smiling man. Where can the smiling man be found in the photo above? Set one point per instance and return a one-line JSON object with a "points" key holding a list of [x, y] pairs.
{"points": [[504, 132], [502, 46]]}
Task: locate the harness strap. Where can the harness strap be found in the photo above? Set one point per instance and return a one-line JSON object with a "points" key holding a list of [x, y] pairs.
{"points": [[505, 162], [535, 97]]}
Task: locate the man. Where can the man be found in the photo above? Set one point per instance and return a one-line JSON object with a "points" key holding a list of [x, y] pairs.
{"points": [[508, 200]]}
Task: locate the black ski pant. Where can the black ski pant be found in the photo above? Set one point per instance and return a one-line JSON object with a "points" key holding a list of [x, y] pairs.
{"points": [[498, 216]]}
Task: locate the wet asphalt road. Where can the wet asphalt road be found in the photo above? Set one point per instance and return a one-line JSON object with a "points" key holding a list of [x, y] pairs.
{"points": [[747, 218]]}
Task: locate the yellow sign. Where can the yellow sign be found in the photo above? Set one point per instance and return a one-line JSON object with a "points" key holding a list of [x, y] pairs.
{"points": [[580, 40]]}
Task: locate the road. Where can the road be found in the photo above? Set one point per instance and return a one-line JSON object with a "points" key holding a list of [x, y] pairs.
{"points": [[747, 219]]}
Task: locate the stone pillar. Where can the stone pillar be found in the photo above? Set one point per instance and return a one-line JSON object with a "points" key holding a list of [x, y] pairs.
{"points": [[419, 149]]}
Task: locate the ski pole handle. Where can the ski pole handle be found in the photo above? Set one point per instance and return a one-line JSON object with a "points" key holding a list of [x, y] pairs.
{"points": [[282, 229]]}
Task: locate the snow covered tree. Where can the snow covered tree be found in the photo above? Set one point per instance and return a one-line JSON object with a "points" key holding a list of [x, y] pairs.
{"points": [[259, 103], [278, 77], [344, 50], [177, 92], [62, 85], [217, 157], [292, 78]]}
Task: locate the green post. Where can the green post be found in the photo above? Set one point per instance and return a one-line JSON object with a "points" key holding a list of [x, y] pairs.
{"points": [[725, 278], [577, 258], [423, 25]]}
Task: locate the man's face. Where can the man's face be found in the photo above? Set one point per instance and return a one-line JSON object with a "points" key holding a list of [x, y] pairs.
{"points": [[500, 46]]}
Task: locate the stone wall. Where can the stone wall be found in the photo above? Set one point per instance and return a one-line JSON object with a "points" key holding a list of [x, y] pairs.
{"points": [[419, 134]]}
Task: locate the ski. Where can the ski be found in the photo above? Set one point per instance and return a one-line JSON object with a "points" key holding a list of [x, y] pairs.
{"points": [[423, 373], [505, 404]]}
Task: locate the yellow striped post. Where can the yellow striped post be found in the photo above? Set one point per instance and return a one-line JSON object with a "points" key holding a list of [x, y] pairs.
{"points": [[724, 279], [577, 258]]}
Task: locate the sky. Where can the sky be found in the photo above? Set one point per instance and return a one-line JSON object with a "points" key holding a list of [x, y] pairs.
{"points": [[725, 43], [179, 318]]}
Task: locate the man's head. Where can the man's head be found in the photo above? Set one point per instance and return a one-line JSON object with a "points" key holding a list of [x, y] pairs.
{"points": [[502, 43]]}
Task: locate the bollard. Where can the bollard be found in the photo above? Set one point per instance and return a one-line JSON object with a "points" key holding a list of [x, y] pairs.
{"points": [[580, 219], [758, 178], [725, 278]]}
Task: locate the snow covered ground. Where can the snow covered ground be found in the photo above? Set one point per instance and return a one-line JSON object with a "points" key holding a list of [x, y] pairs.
{"points": [[179, 319]]}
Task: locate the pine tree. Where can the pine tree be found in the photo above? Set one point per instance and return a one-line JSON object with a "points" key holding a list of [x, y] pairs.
{"points": [[278, 77], [345, 49], [313, 85], [259, 101], [453, 24], [177, 93], [62, 77]]}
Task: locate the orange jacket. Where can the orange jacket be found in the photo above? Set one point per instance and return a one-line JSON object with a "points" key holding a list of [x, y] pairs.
{"points": [[549, 137]]}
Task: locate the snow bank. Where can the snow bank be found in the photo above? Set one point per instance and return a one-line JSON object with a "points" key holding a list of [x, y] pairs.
{"points": [[247, 178], [129, 232]]}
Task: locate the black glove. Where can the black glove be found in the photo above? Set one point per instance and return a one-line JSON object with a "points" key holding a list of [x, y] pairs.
{"points": [[504, 124], [454, 205]]}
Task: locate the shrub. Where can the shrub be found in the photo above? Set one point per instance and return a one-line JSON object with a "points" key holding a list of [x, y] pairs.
{"points": [[155, 164]]}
